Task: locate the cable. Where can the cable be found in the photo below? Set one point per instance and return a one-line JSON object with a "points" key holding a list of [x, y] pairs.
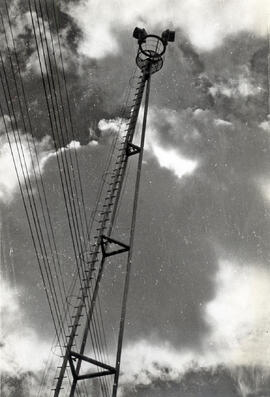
{"points": [[62, 286], [45, 63], [17, 144], [68, 192], [27, 214]]}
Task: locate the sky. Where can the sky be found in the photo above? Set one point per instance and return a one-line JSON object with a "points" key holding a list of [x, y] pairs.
{"points": [[198, 308]]}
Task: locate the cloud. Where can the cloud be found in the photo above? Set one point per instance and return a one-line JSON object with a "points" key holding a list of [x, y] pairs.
{"points": [[238, 87], [22, 350], [25, 39], [252, 381], [72, 145], [265, 125], [168, 157], [107, 21], [239, 315], [147, 362], [238, 338], [30, 156], [111, 126], [23, 148], [220, 122], [172, 160]]}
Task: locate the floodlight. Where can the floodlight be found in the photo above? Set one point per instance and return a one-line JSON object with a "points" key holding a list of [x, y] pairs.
{"points": [[139, 34], [168, 35]]}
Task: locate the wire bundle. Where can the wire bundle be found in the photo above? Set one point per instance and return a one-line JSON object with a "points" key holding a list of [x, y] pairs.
{"points": [[14, 104]]}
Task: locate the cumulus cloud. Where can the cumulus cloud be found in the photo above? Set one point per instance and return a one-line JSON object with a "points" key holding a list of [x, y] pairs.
{"points": [[25, 39], [18, 341], [111, 125], [238, 336], [23, 148], [239, 86], [252, 381], [173, 161], [147, 362], [71, 146], [30, 156], [239, 315], [168, 157], [101, 36], [263, 185], [265, 125]]}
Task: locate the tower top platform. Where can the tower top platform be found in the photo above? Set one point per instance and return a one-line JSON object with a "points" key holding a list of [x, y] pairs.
{"points": [[151, 49]]}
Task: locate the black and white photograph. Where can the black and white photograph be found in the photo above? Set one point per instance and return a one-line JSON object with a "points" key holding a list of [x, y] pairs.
{"points": [[134, 198]]}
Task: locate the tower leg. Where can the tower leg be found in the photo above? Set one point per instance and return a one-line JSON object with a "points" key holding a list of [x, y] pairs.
{"points": [[132, 232]]}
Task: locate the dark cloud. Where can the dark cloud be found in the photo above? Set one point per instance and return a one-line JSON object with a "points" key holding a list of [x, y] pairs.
{"points": [[258, 61], [190, 55], [224, 193], [24, 385], [199, 383], [221, 381]]}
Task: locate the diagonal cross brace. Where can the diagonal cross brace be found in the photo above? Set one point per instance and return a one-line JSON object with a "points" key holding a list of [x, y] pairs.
{"points": [[105, 240], [73, 356], [132, 149]]}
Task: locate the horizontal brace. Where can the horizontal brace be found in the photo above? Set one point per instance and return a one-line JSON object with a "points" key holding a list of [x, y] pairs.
{"points": [[92, 361], [95, 375], [115, 252]]}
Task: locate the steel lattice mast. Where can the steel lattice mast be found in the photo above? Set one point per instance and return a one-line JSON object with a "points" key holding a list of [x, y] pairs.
{"points": [[149, 60]]}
